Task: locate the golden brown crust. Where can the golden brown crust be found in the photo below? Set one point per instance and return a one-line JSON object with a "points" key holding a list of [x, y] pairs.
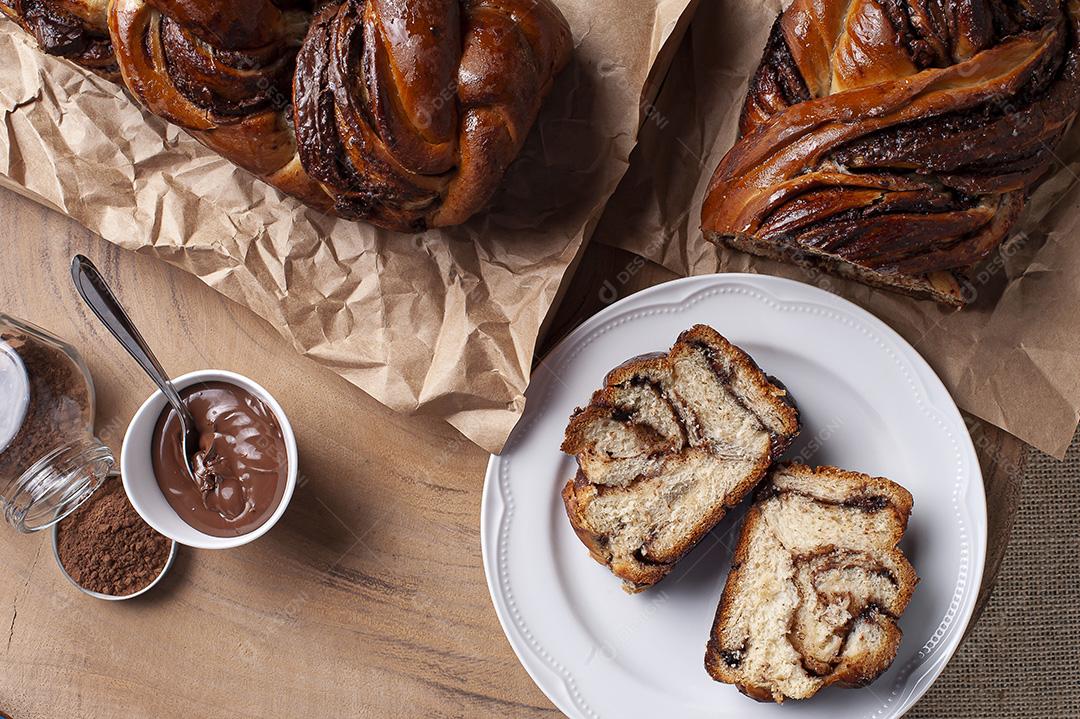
{"points": [[415, 130], [222, 72], [402, 113], [636, 576], [715, 665], [861, 492], [895, 143]]}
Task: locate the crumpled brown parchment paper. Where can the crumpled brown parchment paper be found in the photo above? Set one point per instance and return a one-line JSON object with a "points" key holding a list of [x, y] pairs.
{"points": [[1012, 357], [442, 323]]}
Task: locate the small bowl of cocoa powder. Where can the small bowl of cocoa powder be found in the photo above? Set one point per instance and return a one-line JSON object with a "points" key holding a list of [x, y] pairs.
{"points": [[106, 549]]}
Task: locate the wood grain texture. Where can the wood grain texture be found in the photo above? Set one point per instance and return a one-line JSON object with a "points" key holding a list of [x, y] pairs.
{"points": [[368, 599]]}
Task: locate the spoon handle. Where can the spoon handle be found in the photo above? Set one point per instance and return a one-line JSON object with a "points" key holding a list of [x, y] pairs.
{"points": [[91, 285]]}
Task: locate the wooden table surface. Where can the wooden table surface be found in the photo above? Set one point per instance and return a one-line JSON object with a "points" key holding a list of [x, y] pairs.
{"points": [[368, 599]]}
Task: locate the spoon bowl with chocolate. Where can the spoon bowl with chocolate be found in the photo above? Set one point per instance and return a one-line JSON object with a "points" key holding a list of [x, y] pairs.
{"points": [[244, 463]]}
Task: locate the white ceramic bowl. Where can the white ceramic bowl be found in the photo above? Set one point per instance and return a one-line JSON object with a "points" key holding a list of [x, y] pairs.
{"points": [[137, 469]]}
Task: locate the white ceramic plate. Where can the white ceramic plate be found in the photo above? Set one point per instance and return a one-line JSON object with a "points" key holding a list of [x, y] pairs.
{"points": [[869, 402]]}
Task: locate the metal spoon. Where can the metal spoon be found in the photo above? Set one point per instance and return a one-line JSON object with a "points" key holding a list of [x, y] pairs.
{"points": [[91, 286]]}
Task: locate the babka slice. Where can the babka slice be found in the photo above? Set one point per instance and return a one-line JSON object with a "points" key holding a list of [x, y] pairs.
{"points": [[816, 586], [669, 444]]}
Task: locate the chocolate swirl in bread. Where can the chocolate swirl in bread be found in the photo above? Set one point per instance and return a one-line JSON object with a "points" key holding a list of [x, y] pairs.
{"points": [[75, 29], [404, 113], [223, 72], [410, 112], [896, 141], [817, 585], [669, 444]]}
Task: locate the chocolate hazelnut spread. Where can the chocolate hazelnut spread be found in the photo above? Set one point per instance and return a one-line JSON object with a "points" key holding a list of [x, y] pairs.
{"points": [[241, 464]]}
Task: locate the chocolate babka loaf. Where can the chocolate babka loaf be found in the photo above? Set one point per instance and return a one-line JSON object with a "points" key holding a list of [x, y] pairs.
{"points": [[669, 444], [74, 29], [896, 141], [402, 113], [816, 587]]}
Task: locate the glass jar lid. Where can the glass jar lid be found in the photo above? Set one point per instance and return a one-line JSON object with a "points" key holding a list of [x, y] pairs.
{"points": [[50, 460], [14, 394]]}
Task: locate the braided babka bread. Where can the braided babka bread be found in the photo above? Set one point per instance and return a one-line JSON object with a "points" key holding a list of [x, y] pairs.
{"points": [[75, 29], [410, 112], [896, 141], [816, 586], [669, 444], [403, 113], [223, 71]]}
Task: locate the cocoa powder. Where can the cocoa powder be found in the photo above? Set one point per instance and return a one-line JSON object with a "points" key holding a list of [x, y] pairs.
{"points": [[106, 547], [59, 405]]}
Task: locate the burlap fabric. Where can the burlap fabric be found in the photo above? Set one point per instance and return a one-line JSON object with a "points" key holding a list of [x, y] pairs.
{"points": [[1022, 659]]}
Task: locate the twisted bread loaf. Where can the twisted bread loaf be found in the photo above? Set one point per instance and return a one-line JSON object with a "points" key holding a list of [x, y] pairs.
{"points": [[75, 29], [404, 113], [409, 112], [895, 141], [223, 72], [817, 585]]}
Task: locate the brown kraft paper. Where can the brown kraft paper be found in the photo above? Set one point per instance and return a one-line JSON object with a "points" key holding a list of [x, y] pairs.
{"points": [[442, 323]]}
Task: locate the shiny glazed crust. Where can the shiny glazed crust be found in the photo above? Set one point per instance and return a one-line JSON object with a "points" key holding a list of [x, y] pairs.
{"points": [[223, 72], [74, 29], [414, 130], [402, 113], [895, 141]]}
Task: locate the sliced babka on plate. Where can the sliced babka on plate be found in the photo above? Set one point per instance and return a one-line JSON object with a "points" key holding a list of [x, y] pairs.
{"points": [[816, 587], [668, 445]]}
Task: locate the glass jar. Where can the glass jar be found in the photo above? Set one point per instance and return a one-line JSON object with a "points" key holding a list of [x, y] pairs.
{"points": [[50, 460]]}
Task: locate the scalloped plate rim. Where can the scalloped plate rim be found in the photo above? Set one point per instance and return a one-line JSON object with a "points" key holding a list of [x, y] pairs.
{"points": [[970, 499]]}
